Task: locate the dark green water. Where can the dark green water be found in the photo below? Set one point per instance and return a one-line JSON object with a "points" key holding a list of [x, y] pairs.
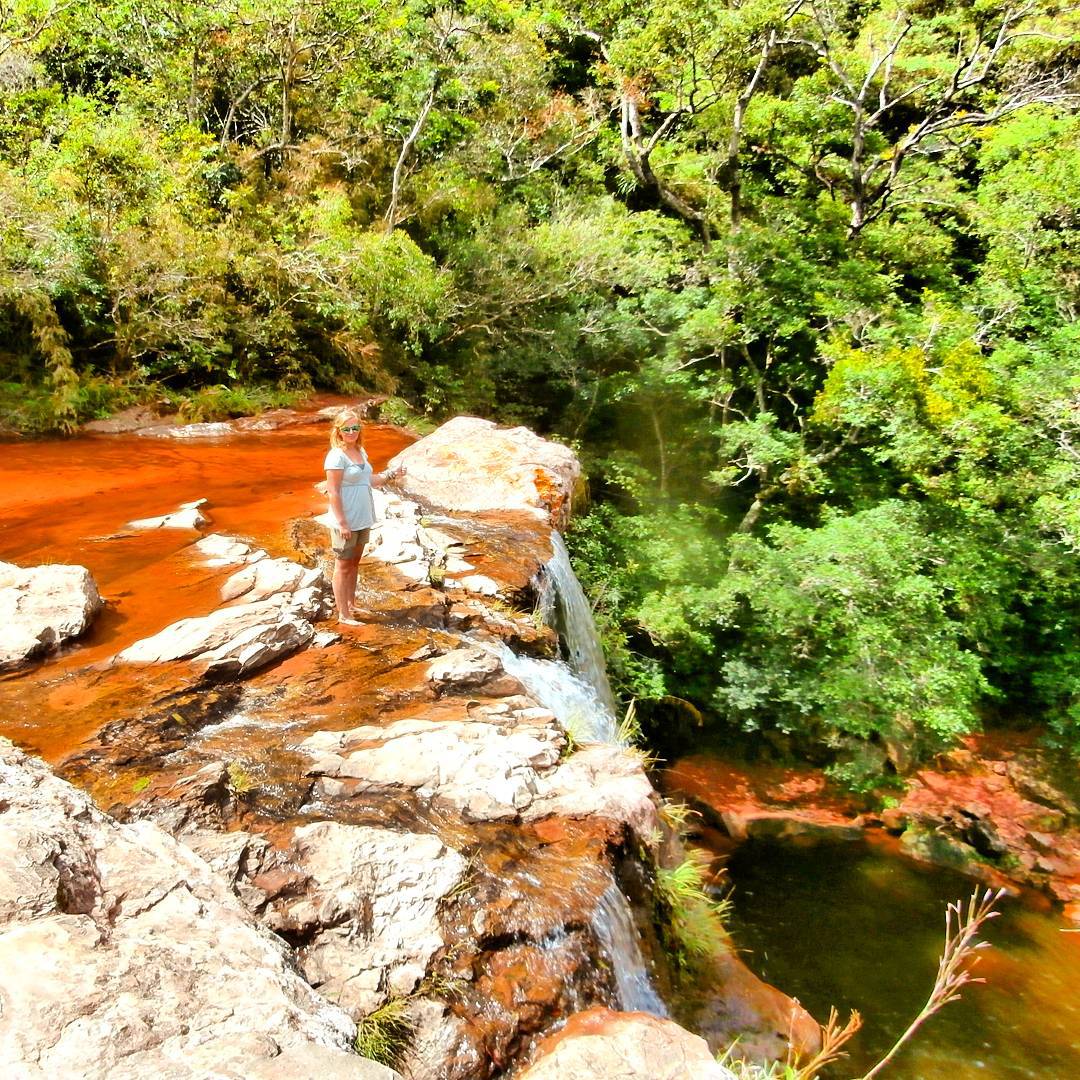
{"points": [[850, 926]]}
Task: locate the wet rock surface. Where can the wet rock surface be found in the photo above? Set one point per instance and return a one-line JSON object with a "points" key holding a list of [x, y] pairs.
{"points": [[41, 607]]}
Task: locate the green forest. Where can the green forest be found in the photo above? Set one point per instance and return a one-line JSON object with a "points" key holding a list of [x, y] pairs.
{"points": [[799, 281]]}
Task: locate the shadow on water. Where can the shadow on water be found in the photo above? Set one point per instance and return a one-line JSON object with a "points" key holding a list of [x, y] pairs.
{"points": [[851, 926]]}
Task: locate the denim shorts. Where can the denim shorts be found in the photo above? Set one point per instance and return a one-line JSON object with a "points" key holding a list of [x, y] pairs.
{"points": [[345, 545]]}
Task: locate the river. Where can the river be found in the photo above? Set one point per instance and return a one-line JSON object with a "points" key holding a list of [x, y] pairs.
{"points": [[854, 926], [69, 501]]}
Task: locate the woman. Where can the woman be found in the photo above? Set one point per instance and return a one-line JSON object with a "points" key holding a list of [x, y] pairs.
{"points": [[349, 480]]}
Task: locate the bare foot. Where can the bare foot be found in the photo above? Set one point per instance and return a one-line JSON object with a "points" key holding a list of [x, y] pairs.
{"points": [[342, 621]]}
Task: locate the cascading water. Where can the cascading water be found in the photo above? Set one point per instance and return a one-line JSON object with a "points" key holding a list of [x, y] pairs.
{"points": [[614, 928], [577, 691], [573, 700], [565, 608]]}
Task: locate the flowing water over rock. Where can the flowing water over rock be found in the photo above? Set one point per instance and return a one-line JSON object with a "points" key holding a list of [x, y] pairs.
{"points": [[570, 697], [564, 606], [614, 927]]}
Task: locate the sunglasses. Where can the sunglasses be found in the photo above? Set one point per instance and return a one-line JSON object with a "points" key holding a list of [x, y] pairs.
{"points": [[351, 427]]}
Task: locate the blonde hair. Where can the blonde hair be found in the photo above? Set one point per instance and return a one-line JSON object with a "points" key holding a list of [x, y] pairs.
{"points": [[340, 419]]}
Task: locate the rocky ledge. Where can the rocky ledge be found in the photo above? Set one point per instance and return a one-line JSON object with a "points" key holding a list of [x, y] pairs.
{"points": [[1001, 808], [122, 954], [406, 830]]}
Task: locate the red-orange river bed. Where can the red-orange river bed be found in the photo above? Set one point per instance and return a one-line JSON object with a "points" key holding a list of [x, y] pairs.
{"points": [[69, 501]]}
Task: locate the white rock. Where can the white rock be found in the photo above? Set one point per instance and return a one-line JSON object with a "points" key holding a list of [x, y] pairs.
{"points": [[371, 912], [478, 583], [440, 1048], [41, 607], [489, 771], [470, 464], [598, 781], [234, 641], [267, 577], [216, 430], [188, 638], [258, 646], [123, 955], [186, 516], [463, 668], [224, 548], [457, 565], [630, 1046]]}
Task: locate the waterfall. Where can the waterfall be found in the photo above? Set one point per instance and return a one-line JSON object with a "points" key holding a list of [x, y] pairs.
{"points": [[565, 608], [614, 928], [577, 691], [574, 701]]}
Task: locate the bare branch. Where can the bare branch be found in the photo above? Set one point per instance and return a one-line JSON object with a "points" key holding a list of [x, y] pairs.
{"points": [[406, 150]]}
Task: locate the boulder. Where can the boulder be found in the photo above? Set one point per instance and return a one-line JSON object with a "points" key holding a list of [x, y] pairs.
{"points": [[41, 607], [123, 955], [257, 646], [470, 669], [630, 1046], [470, 464], [488, 770], [267, 577], [282, 600], [196, 637], [220, 550], [369, 917]]}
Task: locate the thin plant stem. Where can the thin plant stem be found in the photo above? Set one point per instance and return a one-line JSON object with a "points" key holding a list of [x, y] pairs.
{"points": [[955, 965]]}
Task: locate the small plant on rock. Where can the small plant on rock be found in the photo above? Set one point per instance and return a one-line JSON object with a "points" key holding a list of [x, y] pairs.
{"points": [[689, 917], [240, 781], [384, 1034]]}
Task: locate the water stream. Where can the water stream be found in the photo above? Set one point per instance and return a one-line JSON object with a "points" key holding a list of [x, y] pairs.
{"points": [[613, 926], [572, 699], [565, 608]]}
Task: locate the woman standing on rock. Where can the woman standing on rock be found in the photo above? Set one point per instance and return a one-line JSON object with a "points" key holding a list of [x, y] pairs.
{"points": [[349, 480]]}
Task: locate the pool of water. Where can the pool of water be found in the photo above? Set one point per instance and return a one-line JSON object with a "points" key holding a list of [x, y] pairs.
{"points": [[860, 928]]}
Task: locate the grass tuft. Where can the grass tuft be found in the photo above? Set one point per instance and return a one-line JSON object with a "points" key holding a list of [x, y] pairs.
{"points": [[384, 1035], [690, 918]]}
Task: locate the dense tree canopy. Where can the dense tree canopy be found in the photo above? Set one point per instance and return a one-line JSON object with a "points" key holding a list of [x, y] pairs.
{"points": [[801, 280]]}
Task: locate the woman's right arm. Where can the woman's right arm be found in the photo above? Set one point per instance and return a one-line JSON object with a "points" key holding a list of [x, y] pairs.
{"points": [[333, 491]]}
